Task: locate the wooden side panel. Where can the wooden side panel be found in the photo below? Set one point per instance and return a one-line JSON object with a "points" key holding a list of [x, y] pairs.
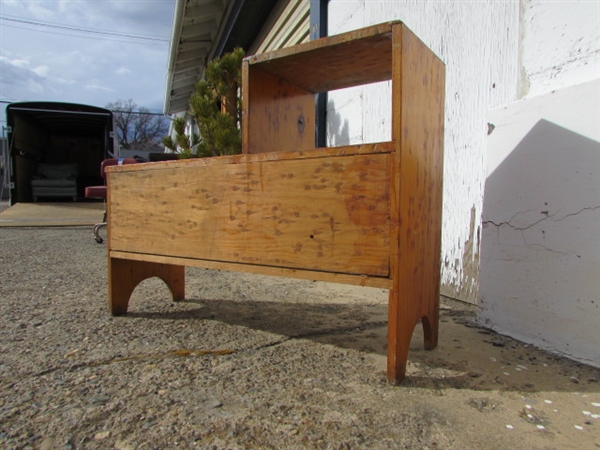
{"points": [[275, 114], [327, 214], [416, 196]]}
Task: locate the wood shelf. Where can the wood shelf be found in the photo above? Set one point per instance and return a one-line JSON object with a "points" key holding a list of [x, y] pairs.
{"points": [[365, 214], [354, 58]]}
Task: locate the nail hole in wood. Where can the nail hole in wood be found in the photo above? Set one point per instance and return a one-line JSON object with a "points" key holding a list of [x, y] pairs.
{"points": [[301, 124]]}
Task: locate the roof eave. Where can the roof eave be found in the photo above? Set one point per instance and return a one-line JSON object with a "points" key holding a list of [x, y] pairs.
{"points": [[206, 29], [175, 33]]}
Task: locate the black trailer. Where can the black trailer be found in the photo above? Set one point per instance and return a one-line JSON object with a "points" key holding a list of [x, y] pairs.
{"points": [[54, 150]]}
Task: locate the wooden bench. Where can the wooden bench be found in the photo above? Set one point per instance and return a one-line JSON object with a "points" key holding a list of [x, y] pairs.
{"points": [[365, 214]]}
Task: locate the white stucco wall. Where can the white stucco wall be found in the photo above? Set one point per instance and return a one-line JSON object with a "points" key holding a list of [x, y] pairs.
{"points": [[479, 43], [540, 253], [560, 44]]}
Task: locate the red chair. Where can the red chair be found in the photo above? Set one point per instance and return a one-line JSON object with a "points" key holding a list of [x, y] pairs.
{"points": [[101, 191]]}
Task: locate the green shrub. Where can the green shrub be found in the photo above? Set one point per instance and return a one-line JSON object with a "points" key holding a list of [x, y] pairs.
{"points": [[216, 108]]}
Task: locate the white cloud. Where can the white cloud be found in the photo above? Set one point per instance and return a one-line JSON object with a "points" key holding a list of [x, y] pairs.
{"points": [[35, 87], [19, 79], [33, 9], [20, 63], [53, 64], [64, 81], [42, 70], [94, 85], [123, 71]]}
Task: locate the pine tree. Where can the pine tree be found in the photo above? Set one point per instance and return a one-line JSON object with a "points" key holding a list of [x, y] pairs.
{"points": [[216, 108], [182, 144]]}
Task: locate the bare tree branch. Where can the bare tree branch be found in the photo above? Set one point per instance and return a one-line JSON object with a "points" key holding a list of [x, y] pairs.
{"points": [[137, 127]]}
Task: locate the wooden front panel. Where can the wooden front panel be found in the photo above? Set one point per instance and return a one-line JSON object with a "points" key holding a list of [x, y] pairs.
{"points": [[325, 214]]}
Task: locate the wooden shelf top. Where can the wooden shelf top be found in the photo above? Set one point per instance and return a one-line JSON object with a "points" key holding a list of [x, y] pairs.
{"points": [[344, 60], [325, 152]]}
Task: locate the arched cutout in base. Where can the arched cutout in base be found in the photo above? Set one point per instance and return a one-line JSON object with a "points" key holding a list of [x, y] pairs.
{"points": [[401, 325], [430, 330], [124, 275]]}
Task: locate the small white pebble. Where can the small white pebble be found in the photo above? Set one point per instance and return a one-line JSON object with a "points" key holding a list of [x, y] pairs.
{"points": [[528, 406], [522, 367], [541, 427], [579, 427], [492, 359], [517, 369], [548, 401], [595, 416], [587, 413], [530, 416], [510, 427], [596, 404], [506, 373]]}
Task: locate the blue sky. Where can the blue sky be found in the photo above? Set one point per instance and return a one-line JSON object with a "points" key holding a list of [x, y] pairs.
{"points": [[84, 51]]}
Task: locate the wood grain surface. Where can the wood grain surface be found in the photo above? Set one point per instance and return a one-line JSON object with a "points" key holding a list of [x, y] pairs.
{"points": [[367, 214], [328, 214]]}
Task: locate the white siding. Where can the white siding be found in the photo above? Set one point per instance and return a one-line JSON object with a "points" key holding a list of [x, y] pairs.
{"points": [[288, 24], [479, 43]]}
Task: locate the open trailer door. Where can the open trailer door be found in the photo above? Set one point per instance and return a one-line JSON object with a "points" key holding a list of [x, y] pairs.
{"points": [[55, 149]]}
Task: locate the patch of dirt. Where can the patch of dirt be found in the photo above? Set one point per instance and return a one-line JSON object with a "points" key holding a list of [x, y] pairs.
{"points": [[257, 362]]}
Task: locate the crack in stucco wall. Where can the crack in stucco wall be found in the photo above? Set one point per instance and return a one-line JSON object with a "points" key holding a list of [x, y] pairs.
{"points": [[525, 228], [545, 214]]}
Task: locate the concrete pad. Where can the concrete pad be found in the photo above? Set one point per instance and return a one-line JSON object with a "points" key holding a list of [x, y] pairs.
{"points": [[52, 214], [249, 361]]}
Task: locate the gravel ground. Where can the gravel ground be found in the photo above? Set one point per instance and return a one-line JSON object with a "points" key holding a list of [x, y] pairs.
{"points": [[256, 362]]}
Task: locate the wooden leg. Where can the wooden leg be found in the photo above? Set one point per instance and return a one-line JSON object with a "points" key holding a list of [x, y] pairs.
{"points": [[124, 275], [430, 329], [402, 319], [400, 330]]}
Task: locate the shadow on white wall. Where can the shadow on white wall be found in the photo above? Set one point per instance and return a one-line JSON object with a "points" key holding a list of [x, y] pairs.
{"points": [[540, 253]]}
